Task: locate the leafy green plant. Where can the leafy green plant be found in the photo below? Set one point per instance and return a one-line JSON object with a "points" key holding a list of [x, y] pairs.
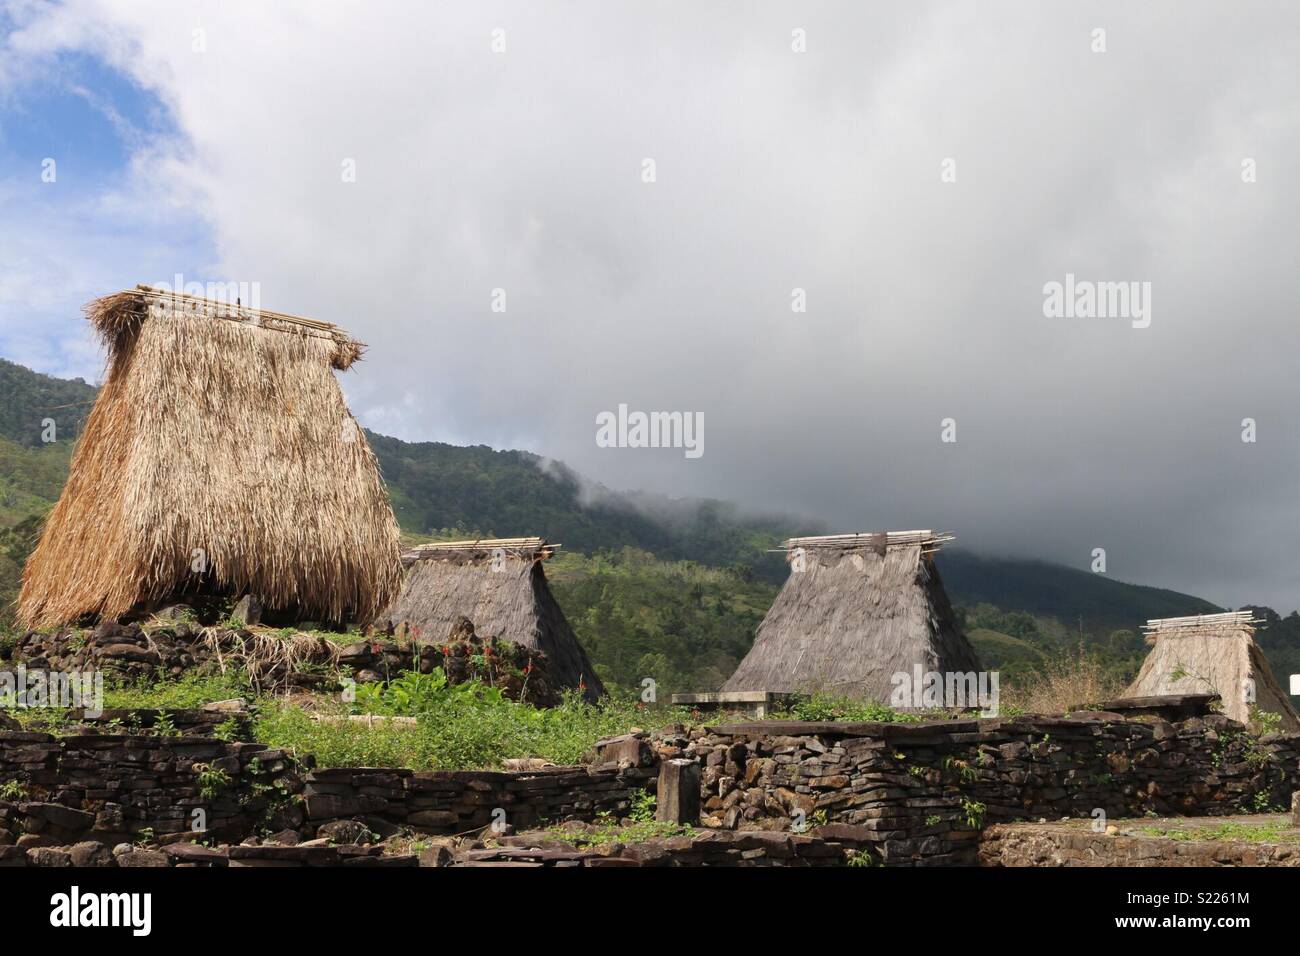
{"points": [[212, 781], [974, 812], [414, 694], [12, 791], [1264, 721], [861, 858], [643, 807], [228, 729], [165, 726]]}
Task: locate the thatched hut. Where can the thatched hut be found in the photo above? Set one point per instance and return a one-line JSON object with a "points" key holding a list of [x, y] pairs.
{"points": [[219, 456], [856, 610], [1217, 654], [499, 585]]}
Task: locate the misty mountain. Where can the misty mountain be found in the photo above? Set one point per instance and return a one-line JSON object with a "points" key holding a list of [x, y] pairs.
{"points": [[437, 489]]}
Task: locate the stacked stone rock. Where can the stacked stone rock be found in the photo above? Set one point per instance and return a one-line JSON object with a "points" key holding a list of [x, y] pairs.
{"points": [[926, 790], [114, 788], [459, 801], [134, 653], [913, 794], [111, 787]]}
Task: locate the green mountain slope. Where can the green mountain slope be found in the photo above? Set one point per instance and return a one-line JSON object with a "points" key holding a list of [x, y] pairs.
{"points": [[28, 400], [1067, 594], [438, 488], [662, 588]]}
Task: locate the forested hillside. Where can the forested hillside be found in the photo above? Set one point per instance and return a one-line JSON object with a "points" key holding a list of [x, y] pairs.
{"points": [[656, 588], [438, 488]]}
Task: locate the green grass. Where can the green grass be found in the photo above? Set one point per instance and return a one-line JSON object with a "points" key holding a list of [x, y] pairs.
{"points": [[461, 733], [1247, 832], [187, 693], [462, 727], [998, 649], [607, 830]]}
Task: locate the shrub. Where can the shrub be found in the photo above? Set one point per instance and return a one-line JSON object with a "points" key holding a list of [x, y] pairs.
{"points": [[1062, 682]]}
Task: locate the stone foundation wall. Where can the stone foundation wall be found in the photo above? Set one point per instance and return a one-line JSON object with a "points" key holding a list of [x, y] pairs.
{"points": [[56, 791], [927, 790], [446, 802], [113, 788], [916, 794]]}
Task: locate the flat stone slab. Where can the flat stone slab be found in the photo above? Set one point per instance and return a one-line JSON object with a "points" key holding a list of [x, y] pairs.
{"points": [[1173, 707], [844, 728], [1246, 840]]}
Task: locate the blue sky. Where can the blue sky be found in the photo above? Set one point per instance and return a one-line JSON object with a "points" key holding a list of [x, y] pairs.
{"points": [[88, 231], [520, 168]]}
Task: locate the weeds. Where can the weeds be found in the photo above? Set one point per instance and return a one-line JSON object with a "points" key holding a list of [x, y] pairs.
{"points": [[1060, 684], [470, 727]]}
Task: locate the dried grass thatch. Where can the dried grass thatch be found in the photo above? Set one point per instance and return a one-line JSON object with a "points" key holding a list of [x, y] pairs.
{"points": [[220, 437], [500, 586], [1212, 653], [271, 661], [855, 611]]}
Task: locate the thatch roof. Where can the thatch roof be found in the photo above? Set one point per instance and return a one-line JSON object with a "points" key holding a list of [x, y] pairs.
{"points": [[1212, 653], [856, 610], [500, 586], [220, 436]]}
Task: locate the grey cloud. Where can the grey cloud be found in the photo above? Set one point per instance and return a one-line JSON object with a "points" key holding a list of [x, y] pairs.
{"points": [[779, 170]]}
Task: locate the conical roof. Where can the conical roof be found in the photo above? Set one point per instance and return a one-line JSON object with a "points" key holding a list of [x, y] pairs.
{"points": [[1212, 653], [855, 611], [500, 586], [220, 454]]}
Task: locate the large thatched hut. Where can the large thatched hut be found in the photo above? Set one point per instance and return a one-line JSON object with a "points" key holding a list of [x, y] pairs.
{"points": [[219, 456], [1212, 654], [499, 585], [857, 610]]}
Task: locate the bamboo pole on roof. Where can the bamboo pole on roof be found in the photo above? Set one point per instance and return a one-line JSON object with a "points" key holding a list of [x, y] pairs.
{"points": [[929, 540], [151, 292]]}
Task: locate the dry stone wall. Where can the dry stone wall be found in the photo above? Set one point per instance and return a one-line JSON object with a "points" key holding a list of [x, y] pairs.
{"points": [[926, 790], [111, 788], [912, 794]]}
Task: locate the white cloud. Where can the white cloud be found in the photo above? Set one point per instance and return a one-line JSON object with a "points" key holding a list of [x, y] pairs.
{"points": [[818, 170]]}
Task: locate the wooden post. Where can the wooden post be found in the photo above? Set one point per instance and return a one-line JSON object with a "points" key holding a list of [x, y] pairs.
{"points": [[1295, 809], [678, 796]]}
